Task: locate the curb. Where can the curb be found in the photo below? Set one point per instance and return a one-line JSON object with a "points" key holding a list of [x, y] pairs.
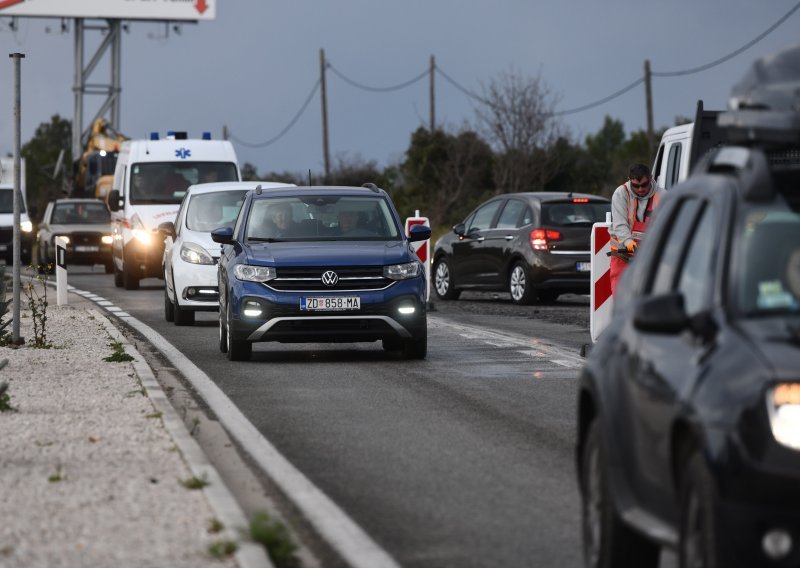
{"points": [[220, 499]]}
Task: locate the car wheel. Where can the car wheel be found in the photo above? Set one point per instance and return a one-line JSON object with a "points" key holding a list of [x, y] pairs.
{"points": [[416, 348], [607, 541], [519, 285], [696, 548], [118, 281], [223, 334], [182, 315], [109, 267], [548, 296], [237, 350], [443, 281], [169, 307], [129, 279]]}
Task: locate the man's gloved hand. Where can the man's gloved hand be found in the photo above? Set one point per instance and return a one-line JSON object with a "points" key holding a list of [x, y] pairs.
{"points": [[632, 246]]}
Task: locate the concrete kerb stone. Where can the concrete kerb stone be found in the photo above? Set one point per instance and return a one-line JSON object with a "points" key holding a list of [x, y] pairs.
{"points": [[222, 502]]}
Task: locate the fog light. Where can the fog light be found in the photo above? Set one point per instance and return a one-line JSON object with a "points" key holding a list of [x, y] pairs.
{"points": [[777, 544], [252, 309], [406, 310], [190, 291]]}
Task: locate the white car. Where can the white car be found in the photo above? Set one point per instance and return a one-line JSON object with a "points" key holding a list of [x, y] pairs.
{"points": [[190, 256]]}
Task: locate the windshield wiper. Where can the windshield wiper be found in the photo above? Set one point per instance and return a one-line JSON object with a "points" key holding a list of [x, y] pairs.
{"points": [[266, 239]]}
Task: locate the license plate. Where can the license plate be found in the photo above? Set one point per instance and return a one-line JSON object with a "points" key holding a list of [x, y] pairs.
{"points": [[86, 248], [330, 304], [583, 266]]}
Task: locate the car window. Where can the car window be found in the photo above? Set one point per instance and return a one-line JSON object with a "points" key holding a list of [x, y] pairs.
{"points": [[768, 274], [527, 217], [674, 242], [696, 273], [7, 202], [482, 219], [209, 211], [510, 216], [82, 213], [561, 214], [167, 182], [322, 218], [673, 164]]}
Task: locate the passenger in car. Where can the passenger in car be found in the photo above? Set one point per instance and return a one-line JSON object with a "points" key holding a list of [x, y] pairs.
{"points": [[281, 216]]}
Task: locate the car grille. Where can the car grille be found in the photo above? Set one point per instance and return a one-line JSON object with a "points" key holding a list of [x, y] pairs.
{"points": [[6, 234], [293, 310], [82, 239], [310, 279]]}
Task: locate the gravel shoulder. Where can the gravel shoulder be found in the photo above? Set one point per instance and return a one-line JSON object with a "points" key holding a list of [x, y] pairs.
{"points": [[89, 474]]}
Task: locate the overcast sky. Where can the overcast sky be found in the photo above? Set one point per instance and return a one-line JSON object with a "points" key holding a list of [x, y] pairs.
{"points": [[252, 68]]}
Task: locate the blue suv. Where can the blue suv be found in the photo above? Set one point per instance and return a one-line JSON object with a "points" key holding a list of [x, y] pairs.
{"points": [[320, 264]]}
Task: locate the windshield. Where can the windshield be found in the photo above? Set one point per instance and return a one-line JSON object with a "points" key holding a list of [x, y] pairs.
{"points": [[768, 275], [166, 182], [321, 218], [7, 202], [209, 211], [571, 213], [81, 213]]}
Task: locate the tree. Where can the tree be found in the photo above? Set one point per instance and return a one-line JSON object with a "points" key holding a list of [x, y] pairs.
{"points": [[41, 155], [517, 117]]}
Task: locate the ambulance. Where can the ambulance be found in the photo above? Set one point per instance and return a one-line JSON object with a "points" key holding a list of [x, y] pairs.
{"points": [[150, 179]]}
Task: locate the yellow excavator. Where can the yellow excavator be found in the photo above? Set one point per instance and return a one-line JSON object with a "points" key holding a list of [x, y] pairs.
{"points": [[94, 171]]}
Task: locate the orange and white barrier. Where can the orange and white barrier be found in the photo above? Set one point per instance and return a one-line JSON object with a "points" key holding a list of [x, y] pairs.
{"points": [[601, 302], [422, 248]]}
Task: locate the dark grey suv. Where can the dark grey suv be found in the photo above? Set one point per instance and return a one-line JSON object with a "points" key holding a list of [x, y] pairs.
{"points": [[532, 245]]}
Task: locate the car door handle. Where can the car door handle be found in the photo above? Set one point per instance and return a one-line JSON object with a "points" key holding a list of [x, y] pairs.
{"points": [[508, 237]]}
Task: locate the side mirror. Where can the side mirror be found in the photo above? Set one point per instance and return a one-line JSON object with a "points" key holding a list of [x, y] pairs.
{"points": [[419, 233], [661, 314], [167, 229], [113, 200], [223, 235], [459, 229]]}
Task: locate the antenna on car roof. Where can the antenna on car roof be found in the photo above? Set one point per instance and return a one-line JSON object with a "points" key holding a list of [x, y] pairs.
{"points": [[371, 186], [309, 176], [258, 189]]}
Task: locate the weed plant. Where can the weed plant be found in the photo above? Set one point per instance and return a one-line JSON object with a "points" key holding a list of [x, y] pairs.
{"points": [[37, 303], [222, 548], [274, 536], [119, 355]]}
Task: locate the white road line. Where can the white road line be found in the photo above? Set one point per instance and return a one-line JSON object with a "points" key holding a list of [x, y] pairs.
{"points": [[534, 346], [338, 530]]}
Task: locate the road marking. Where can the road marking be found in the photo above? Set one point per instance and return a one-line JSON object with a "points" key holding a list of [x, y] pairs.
{"points": [[332, 524], [533, 346]]}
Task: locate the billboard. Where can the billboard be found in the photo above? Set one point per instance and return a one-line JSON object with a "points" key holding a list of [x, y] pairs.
{"points": [[114, 9]]}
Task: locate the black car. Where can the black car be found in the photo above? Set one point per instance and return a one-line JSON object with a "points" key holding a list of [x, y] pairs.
{"points": [[532, 245], [689, 404], [85, 223]]}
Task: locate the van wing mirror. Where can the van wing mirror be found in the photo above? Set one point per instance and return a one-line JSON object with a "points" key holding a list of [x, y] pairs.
{"points": [[223, 235], [113, 200]]}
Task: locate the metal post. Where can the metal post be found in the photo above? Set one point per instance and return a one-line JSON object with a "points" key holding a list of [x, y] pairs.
{"points": [[649, 103], [324, 97], [77, 90], [432, 93], [17, 57], [116, 64]]}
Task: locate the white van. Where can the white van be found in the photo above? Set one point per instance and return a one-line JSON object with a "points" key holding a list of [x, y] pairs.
{"points": [[150, 180], [7, 214]]}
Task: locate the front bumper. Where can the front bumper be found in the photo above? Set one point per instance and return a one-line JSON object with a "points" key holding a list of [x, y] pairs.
{"points": [[196, 285], [378, 318]]}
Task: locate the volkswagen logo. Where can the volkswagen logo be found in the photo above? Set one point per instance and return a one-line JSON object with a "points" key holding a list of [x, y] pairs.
{"points": [[330, 278]]}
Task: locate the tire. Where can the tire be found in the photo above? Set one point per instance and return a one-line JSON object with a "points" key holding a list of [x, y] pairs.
{"points": [[183, 316], [698, 524], [443, 283], [109, 267], [607, 541], [548, 296], [237, 350], [519, 285], [129, 279], [118, 281], [223, 334], [415, 348], [169, 307]]}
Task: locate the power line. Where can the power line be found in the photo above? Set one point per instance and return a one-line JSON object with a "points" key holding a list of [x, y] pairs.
{"points": [[361, 86], [288, 126], [602, 101], [458, 86]]}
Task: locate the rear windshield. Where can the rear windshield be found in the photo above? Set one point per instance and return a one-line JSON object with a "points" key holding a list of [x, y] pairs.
{"points": [[167, 182], [7, 202], [209, 211], [322, 218], [80, 213], [569, 213]]}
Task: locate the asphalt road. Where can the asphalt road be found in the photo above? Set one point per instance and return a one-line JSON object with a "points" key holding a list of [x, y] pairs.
{"points": [[464, 459]]}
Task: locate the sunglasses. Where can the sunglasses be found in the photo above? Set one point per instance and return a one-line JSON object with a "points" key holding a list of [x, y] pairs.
{"points": [[640, 185]]}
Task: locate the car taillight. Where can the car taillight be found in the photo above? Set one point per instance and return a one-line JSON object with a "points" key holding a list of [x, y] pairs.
{"points": [[540, 238], [580, 200]]}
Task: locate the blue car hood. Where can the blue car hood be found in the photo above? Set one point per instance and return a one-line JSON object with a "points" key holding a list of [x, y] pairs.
{"points": [[328, 253]]}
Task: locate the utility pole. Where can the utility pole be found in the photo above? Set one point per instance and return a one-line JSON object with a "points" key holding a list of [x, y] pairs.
{"points": [[433, 93], [648, 94], [17, 57], [324, 97]]}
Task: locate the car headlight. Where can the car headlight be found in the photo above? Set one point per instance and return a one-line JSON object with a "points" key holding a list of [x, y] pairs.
{"points": [[195, 254], [783, 405], [65, 237], [249, 273], [140, 232], [401, 271], [107, 239], [26, 226]]}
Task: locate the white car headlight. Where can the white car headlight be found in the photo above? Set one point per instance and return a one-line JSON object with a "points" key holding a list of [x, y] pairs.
{"points": [[783, 405], [195, 254], [107, 239], [26, 226], [248, 273], [140, 232], [401, 271]]}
